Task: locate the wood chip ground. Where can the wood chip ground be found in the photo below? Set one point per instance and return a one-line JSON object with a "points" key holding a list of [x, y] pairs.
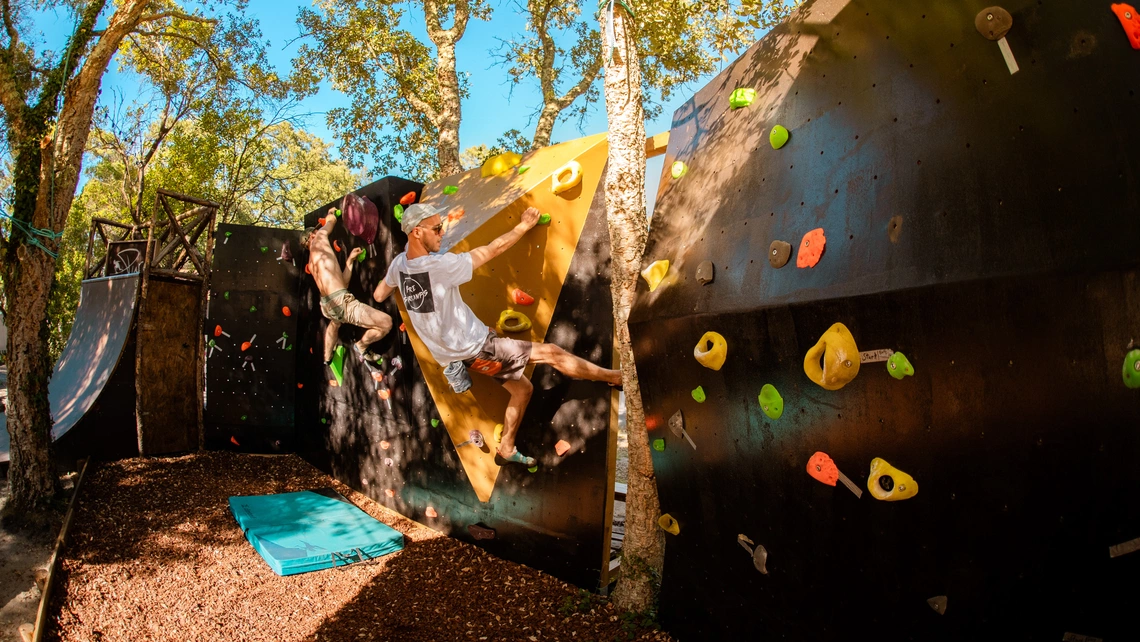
{"points": [[156, 555]]}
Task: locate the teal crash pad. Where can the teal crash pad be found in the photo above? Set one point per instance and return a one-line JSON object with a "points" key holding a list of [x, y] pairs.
{"points": [[311, 530]]}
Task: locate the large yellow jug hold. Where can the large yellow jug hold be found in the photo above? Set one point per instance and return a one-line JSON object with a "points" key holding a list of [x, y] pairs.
{"points": [[840, 358], [513, 321], [668, 524], [888, 483], [500, 163], [566, 177], [654, 272], [711, 351]]}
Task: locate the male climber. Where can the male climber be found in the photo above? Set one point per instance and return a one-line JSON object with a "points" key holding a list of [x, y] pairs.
{"points": [[429, 284], [337, 303]]}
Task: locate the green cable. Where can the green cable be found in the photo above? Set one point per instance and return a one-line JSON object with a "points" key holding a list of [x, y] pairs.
{"points": [[32, 232]]}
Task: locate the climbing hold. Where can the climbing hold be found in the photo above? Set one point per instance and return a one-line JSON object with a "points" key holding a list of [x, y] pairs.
{"points": [[566, 177], [500, 163], [321, 222], [898, 366], [678, 169], [388, 462], [333, 383], [778, 137], [778, 253], [397, 362], [307, 270], [408, 199], [253, 308], [771, 402], [264, 249], [398, 213], [300, 385], [544, 219], [521, 298], [337, 365], [450, 189], [245, 345], [233, 440], [677, 426], [286, 311], [562, 447], [226, 295], [840, 358], [243, 417], [478, 531], [532, 469], [993, 23], [228, 234], [894, 228], [336, 245], [513, 321], [888, 483], [938, 603], [389, 492], [821, 467], [654, 272], [219, 332], [811, 248], [759, 554], [360, 257], [430, 512], [336, 212], [699, 394], [499, 433], [523, 169], [711, 350], [668, 524], [386, 396], [434, 423], [474, 438], [659, 445], [741, 97], [403, 327], [324, 420], [705, 272], [1130, 20], [1131, 372]]}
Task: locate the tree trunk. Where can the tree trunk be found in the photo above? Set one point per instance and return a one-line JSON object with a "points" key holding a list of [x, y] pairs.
{"points": [[643, 551], [545, 127]]}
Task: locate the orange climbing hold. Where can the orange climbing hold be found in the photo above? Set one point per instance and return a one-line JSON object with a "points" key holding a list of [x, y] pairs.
{"points": [[385, 445], [286, 311], [321, 221], [389, 492], [234, 441], [403, 328], [1129, 19], [823, 468], [307, 269], [521, 298], [377, 376], [811, 248], [384, 394], [562, 447], [333, 383], [430, 512], [336, 245], [245, 345], [408, 199], [300, 385]]}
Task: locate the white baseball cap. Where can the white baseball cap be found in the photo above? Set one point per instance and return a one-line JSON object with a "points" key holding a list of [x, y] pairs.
{"points": [[415, 214]]}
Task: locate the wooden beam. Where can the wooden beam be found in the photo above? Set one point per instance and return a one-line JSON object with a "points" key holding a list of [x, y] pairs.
{"points": [[188, 199], [655, 145]]}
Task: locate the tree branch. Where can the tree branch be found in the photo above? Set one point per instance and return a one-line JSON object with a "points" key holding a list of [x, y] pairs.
{"points": [[177, 14]]}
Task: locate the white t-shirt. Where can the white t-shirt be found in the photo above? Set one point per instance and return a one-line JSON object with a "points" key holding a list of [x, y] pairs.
{"points": [[430, 287]]}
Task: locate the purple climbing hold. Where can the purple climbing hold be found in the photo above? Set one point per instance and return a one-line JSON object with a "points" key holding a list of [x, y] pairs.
{"points": [[360, 216]]}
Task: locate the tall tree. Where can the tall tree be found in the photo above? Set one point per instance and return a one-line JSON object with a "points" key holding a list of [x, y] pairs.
{"points": [[406, 102], [47, 100], [679, 42]]}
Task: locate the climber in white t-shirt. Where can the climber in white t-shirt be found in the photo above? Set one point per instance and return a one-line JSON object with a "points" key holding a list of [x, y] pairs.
{"points": [[429, 284]]}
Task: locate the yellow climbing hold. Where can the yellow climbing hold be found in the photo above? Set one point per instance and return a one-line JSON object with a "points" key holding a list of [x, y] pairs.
{"points": [[678, 169], [711, 350], [668, 524], [566, 177], [654, 273], [512, 321], [888, 483], [500, 163], [499, 432], [840, 358]]}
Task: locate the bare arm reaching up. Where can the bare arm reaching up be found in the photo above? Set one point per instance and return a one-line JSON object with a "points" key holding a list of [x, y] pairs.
{"points": [[481, 255]]}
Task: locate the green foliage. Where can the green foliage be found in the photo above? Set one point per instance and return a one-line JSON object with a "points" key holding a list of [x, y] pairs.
{"points": [[582, 602]]}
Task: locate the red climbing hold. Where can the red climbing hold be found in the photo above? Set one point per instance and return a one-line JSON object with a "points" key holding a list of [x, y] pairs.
{"points": [[811, 248], [408, 199], [403, 328], [562, 447], [321, 222], [522, 298], [234, 441], [455, 216], [286, 311], [1130, 21], [217, 331], [245, 345], [307, 269], [822, 468], [336, 245], [650, 422], [430, 512], [300, 385]]}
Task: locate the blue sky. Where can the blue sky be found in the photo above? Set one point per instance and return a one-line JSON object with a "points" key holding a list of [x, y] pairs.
{"points": [[491, 109]]}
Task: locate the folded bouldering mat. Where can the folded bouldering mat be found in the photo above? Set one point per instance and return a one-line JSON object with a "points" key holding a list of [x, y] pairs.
{"points": [[311, 530]]}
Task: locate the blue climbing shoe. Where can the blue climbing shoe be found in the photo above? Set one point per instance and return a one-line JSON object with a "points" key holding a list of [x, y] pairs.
{"points": [[518, 458]]}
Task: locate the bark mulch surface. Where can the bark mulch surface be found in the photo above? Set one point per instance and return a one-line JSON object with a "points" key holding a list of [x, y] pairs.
{"points": [[156, 555]]}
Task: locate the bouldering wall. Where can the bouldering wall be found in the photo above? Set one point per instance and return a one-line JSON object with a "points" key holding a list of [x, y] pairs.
{"points": [[976, 231], [398, 432]]}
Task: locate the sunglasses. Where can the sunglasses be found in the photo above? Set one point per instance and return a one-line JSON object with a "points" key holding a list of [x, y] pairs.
{"points": [[435, 228]]}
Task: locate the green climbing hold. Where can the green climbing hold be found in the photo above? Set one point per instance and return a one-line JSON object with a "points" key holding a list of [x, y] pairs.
{"points": [[243, 417], [264, 249], [523, 168], [285, 335], [324, 420], [533, 469], [778, 136], [336, 212], [226, 295], [253, 308], [898, 366], [659, 445], [398, 211], [699, 394], [435, 423], [544, 219], [337, 365], [363, 254], [1132, 369], [450, 189], [678, 169], [741, 97], [289, 347], [211, 343], [228, 234], [771, 402]]}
